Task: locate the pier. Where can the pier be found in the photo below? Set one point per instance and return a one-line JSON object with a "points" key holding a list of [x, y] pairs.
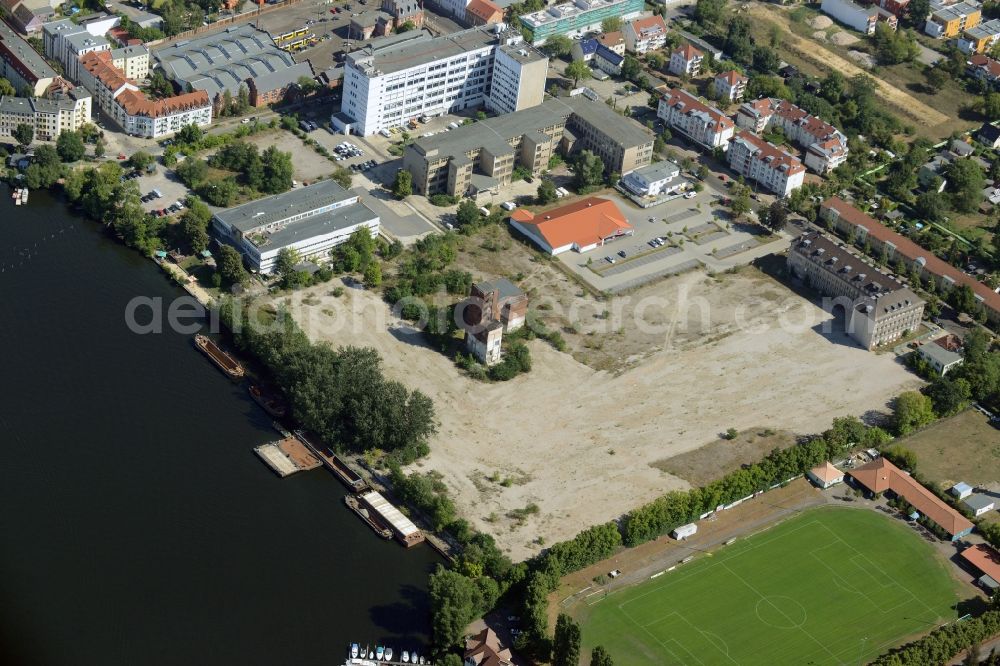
{"points": [[287, 456]]}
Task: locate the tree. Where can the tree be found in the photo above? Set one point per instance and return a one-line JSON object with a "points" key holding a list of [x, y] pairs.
{"points": [[189, 134], [588, 171], [193, 171], [935, 78], [277, 170], [373, 275], [578, 71], [894, 46], [402, 187], [707, 12], [24, 134], [566, 643], [242, 103], [406, 26], [45, 168], [467, 213], [307, 85], [455, 602], [965, 184], [931, 206], [231, 266], [140, 160], [917, 12], [194, 224], [558, 46], [739, 205], [912, 410], [343, 177], [949, 396], [991, 106], [546, 192], [739, 42], [611, 24], [833, 87], [99, 148], [777, 216], [631, 68], [70, 146], [7, 88], [600, 657], [288, 258], [765, 60]]}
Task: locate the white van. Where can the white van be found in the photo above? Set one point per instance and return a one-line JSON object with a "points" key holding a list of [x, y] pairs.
{"points": [[508, 205]]}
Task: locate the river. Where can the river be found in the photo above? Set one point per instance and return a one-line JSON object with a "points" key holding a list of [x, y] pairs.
{"points": [[137, 526]]}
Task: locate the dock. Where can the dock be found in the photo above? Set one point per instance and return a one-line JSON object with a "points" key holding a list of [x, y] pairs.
{"points": [[402, 527], [287, 456], [350, 478]]}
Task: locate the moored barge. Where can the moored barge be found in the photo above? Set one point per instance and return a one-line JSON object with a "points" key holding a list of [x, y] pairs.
{"points": [[229, 365]]}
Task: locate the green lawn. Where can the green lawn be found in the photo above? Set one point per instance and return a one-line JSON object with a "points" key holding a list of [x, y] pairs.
{"points": [[832, 586]]}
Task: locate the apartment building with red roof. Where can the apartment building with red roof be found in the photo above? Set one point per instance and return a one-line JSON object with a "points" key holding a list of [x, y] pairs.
{"points": [[138, 115], [698, 121], [613, 40], [483, 12], [881, 475], [582, 225], [765, 163], [685, 61], [645, 34], [730, 86], [984, 68], [825, 146], [846, 218]]}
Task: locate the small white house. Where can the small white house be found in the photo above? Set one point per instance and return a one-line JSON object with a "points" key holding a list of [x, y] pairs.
{"points": [[825, 475], [684, 531], [961, 490], [979, 504]]}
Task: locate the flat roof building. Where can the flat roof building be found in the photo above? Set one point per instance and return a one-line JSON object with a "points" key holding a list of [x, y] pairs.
{"points": [[48, 116], [576, 18], [939, 358], [311, 220], [979, 504], [237, 56], [22, 65], [448, 162], [388, 83]]}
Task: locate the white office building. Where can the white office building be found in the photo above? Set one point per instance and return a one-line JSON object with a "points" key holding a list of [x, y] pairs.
{"points": [[387, 86], [311, 220], [654, 179]]}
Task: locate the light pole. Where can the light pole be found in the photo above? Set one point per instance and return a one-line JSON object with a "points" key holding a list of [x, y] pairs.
{"points": [[861, 649]]}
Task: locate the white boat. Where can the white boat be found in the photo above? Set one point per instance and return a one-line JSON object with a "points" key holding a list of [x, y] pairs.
{"points": [[364, 652], [24, 195], [355, 650], [406, 657], [388, 654], [379, 652]]}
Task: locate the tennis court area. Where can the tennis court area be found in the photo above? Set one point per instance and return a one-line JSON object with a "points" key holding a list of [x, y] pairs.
{"points": [[832, 586]]}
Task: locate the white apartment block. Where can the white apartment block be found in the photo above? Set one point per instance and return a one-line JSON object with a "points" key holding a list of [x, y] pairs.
{"points": [[862, 19], [825, 145], [386, 87], [138, 115], [763, 162], [704, 124], [730, 86], [66, 41], [685, 61], [49, 116], [645, 34]]}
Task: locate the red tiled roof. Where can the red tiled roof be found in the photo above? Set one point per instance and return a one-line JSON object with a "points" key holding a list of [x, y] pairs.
{"points": [[779, 159], [826, 472], [611, 39], [485, 10], [912, 251], [98, 63], [989, 65], [689, 103], [880, 475], [688, 52], [134, 101], [651, 25], [583, 223], [732, 77], [985, 559]]}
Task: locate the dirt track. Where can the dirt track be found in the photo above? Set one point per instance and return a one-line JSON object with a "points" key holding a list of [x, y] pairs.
{"points": [[580, 443], [825, 59]]}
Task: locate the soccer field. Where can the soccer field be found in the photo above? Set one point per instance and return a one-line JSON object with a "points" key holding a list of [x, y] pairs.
{"points": [[832, 586]]}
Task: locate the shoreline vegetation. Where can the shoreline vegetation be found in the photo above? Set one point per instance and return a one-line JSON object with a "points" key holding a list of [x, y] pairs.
{"points": [[343, 396]]}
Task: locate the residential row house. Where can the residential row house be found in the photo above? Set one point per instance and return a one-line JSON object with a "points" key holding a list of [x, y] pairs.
{"points": [[825, 146], [698, 121], [980, 38], [877, 308], [847, 219], [765, 164], [138, 115], [947, 21], [685, 61], [645, 34], [730, 86], [985, 68]]}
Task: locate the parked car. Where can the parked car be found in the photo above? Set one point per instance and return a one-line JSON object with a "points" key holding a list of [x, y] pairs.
{"points": [[621, 253], [690, 195], [609, 259]]}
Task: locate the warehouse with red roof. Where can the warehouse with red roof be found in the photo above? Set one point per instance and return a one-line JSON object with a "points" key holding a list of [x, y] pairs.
{"points": [[581, 226]]}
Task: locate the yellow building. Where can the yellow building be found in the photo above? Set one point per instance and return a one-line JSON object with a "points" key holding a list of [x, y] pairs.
{"points": [[947, 21], [981, 38]]}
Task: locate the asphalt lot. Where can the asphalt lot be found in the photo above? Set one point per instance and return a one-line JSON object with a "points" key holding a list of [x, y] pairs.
{"points": [[698, 233]]}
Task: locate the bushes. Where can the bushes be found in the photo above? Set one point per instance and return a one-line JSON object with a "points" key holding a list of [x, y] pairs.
{"points": [[516, 360], [941, 645], [427, 493]]}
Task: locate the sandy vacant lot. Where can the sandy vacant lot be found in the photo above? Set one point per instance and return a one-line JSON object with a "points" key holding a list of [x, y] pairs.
{"points": [[578, 442]]}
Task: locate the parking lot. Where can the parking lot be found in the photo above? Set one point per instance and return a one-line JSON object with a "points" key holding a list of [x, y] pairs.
{"points": [[668, 239]]}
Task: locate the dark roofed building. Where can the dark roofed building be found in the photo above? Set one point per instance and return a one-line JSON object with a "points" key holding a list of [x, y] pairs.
{"points": [[989, 135]]}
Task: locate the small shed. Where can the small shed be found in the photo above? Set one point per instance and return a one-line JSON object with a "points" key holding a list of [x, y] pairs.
{"points": [[825, 475], [979, 504], [988, 584], [961, 490], [684, 531]]}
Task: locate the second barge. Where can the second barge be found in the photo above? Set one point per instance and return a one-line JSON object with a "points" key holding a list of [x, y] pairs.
{"points": [[229, 365]]}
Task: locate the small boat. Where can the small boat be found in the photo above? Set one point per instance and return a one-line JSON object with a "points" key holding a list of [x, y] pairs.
{"points": [[379, 652], [24, 195], [388, 654], [364, 652], [405, 657], [229, 365], [355, 650], [270, 403]]}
